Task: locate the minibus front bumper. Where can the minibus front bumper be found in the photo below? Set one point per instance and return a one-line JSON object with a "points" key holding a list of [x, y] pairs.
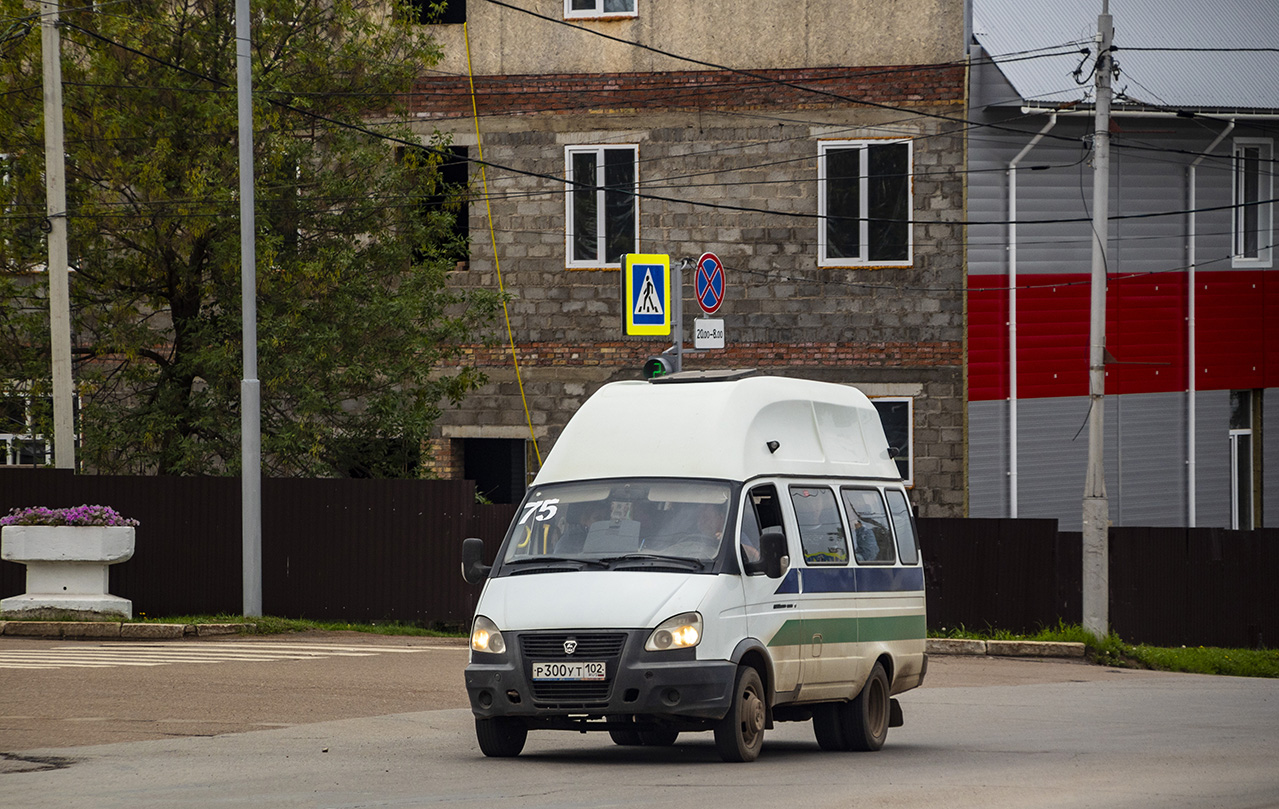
{"points": [[636, 682]]}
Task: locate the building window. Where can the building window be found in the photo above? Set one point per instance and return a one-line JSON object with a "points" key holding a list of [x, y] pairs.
{"points": [[1253, 187], [498, 466], [864, 203], [897, 416], [438, 12], [20, 445], [1241, 460], [602, 217], [599, 8]]}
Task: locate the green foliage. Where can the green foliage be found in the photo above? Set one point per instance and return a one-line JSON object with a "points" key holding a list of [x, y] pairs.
{"points": [[358, 333]]}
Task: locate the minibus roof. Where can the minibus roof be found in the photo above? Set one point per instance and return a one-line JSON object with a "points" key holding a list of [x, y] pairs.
{"points": [[735, 429]]}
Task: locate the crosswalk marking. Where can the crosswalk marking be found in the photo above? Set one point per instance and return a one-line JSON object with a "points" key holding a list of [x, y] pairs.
{"points": [[135, 653]]}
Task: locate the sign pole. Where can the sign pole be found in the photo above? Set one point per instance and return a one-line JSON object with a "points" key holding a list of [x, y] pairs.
{"points": [[677, 301]]}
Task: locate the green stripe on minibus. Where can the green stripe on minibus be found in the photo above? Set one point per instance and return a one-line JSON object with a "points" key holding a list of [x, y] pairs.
{"points": [[851, 630]]}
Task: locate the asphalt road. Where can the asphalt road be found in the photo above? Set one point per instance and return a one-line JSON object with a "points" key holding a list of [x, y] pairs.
{"points": [[389, 729]]}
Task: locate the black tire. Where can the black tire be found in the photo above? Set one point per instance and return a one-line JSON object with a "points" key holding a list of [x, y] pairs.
{"points": [[828, 726], [501, 736], [740, 734], [658, 738], [626, 738], [866, 718]]}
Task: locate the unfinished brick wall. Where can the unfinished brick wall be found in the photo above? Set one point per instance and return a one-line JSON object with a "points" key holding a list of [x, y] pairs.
{"points": [[744, 186]]}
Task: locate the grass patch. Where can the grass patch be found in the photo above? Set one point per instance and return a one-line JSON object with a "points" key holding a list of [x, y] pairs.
{"points": [[1112, 651], [272, 625]]}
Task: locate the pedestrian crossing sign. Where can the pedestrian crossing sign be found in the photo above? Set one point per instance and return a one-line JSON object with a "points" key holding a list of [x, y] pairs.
{"points": [[646, 286]]}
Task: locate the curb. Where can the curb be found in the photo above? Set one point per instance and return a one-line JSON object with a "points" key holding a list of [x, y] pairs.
{"points": [[98, 630], [1003, 648]]}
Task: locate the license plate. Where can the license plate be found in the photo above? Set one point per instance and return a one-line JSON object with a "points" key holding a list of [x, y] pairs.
{"points": [[568, 671]]}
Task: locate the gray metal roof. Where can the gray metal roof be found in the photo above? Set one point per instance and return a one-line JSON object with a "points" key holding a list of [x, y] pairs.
{"points": [[1014, 32]]}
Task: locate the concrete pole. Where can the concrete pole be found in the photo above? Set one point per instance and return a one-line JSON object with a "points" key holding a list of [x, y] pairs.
{"points": [[250, 400], [1096, 506], [56, 210]]}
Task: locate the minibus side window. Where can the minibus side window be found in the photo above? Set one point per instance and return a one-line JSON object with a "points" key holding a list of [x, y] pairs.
{"points": [[762, 510], [872, 537], [821, 531], [899, 507]]}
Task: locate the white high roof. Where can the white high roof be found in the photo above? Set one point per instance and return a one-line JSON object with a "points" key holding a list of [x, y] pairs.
{"points": [[1208, 58], [722, 430]]}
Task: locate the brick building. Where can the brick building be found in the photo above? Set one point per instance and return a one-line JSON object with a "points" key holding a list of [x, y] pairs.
{"points": [[816, 148]]}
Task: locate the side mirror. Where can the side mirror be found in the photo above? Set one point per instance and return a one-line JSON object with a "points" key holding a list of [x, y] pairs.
{"points": [[772, 560], [474, 570], [772, 552]]}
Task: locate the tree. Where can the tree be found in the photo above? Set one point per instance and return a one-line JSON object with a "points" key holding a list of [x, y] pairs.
{"points": [[359, 335]]}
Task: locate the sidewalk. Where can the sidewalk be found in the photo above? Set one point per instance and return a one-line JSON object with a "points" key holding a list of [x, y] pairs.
{"points": [[1003, 648], [98, 630]]}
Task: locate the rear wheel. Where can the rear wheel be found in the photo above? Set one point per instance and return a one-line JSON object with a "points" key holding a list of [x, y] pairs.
{"points": [[626, 738], [828, 726], [740, 734], [501, 736], [866, 718], [658, 738]]}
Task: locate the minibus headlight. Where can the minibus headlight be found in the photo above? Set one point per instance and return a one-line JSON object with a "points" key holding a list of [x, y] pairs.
{"points": [[486, 637], [684, 631]]}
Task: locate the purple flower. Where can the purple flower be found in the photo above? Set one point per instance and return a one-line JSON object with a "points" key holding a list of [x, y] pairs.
{"points": [[79, 515]]}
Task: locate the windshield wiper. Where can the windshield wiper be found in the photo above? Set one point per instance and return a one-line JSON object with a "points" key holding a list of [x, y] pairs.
{"points": [[528, 560], [679, 561]]}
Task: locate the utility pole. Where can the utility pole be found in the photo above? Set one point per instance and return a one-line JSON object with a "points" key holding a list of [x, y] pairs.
{"points": [[55, 172], [1096, 507], [250, 395]]}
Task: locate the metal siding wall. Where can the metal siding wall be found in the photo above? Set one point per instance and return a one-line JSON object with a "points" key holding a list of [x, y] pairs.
{"points": [[1145, 459], [1212, 459], [1053, 458], [988, 459], [1151, 487]]}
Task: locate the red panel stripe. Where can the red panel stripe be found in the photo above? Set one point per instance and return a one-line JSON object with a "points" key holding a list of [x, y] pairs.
{"points": [[1145, 329]]}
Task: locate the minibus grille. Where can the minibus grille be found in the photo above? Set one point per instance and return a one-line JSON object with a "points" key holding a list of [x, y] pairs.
{"points": [[550, 646]]}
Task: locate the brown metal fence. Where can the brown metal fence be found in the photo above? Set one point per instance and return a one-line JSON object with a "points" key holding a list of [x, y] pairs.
{"points": [[1168, 586], [350, 550], [369, 550]]}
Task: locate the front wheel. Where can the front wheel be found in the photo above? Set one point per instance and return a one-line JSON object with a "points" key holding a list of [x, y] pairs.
{"points": [[501, 736], [740, 734]]}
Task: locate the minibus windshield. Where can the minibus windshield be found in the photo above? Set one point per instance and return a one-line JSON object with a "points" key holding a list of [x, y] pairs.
{"points": [[619, 525]]}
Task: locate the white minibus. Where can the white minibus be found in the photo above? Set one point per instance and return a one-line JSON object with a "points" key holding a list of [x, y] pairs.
{"points": [[707, 551]]}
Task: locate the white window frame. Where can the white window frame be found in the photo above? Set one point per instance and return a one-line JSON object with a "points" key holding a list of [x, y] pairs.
{"points": [[601, 236], [597, 11], [862, 260], [10, 441], [1263, 212], [908, 452], [1242, 507]]}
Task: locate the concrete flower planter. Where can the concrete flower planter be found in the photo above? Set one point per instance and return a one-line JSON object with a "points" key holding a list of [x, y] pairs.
{"points": [[67, 566]]}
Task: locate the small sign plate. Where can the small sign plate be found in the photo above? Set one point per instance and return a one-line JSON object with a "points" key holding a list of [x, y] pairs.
{"points": [[708, 333]]}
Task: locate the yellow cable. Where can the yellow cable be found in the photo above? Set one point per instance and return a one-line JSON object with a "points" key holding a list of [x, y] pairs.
{"points": [[510, 336]]}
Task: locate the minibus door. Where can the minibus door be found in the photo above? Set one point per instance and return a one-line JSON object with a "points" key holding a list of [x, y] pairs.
{"points": [[772, 605]]}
